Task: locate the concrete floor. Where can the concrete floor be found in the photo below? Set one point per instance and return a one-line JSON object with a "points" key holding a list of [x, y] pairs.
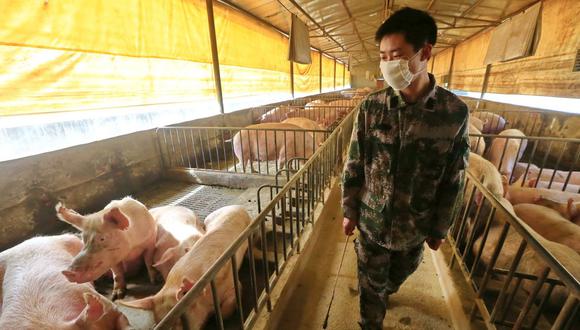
{"points": [[419, 304]]}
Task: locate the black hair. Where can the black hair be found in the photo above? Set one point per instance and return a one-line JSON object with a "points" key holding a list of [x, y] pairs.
{"points": [[417, 26]]}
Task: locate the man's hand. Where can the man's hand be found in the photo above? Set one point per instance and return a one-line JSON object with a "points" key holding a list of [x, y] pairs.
{"points": [[348, 226], [434, 243]]}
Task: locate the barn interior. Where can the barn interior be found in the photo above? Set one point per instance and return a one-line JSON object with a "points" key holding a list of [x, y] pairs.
{"points": [[102, 100]]}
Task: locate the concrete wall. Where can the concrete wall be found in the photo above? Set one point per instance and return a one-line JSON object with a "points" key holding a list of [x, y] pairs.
{"points": [[85, 177], [358, 75]]}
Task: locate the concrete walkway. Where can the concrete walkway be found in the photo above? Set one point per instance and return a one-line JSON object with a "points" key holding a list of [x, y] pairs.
{"points": [[419, 304]]}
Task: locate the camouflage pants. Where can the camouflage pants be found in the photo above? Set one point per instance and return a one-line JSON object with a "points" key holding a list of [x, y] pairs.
{"points": [[380, 273]]}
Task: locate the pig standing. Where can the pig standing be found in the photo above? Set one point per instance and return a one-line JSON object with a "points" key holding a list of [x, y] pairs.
{"points": [[492, 123], [35, 294], [275, 115], [568, 209], [476, 143], [178, 228], [513, 151], [223, 227], [308, 124], [550, 224], [121, 234], [476, 122], [487, 175], [263, 144]]}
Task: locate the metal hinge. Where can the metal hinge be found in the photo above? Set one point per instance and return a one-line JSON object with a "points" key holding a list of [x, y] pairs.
{"points": [[577, 62]]}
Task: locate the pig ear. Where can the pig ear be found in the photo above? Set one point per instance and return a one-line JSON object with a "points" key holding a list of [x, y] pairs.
{"points": [[167, 255], [532, 183], [186, 285], [69, 216], [116, 217], [145, 303], [94, 309]]}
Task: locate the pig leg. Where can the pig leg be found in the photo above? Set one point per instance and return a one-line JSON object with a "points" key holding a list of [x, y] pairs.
{"points": [[119, 285], [228, 304]]}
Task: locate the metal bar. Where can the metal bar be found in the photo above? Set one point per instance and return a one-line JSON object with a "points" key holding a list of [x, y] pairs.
{"points": [[568, 308], [502, 295], [510, 299], [186, 149], [214, 54], [209, 147], [543, 164], [493, 259], [483, 241], [254, 282], [265, 264], [537, 287], [542, 304], [223, 141], [237, 289], [216, 305]]}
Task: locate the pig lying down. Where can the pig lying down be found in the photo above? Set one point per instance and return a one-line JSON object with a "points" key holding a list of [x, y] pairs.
{"points": [[223, 227], [178, 228], [114, 238], [36, 295]]}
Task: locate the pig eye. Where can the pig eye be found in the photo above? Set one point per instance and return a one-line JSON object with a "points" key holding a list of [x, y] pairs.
{"points": [[102, 239]]}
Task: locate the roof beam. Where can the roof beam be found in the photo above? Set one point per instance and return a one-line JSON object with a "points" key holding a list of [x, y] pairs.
{"points": [[466, 11], [465, 27], [466, 18], [430, 5], [354, 27], [297, 6]]}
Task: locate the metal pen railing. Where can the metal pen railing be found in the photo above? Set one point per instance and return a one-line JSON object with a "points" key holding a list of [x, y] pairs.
{"points": [[545, 162], [517, 279], [288, 211], [235, 149], [323, 114]]}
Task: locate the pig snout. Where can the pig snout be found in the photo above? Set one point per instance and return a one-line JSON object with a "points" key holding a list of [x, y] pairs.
{"points": [[83, 273]]}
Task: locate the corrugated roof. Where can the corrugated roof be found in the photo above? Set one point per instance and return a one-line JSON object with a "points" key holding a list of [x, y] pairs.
{"points": [[345, 28]]}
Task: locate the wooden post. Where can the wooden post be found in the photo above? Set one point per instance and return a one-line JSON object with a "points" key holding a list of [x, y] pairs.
{"points": [[343, 74], [335, 73], [292, 78], [320, 76], [483, 85], [450, 69], [214, 54]]}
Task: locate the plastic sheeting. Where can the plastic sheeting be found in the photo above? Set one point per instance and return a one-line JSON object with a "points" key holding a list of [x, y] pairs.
{"points": [[307, 76], [81, 55]]}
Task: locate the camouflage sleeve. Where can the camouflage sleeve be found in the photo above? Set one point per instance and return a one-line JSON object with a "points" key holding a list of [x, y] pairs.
{"points": [[450, 192], [353, 173]]}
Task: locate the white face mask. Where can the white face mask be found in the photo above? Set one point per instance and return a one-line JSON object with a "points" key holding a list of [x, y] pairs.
{"points": [[397, 72]]}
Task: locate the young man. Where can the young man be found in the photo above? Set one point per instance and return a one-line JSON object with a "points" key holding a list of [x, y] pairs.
{"points": [[405, 169]]}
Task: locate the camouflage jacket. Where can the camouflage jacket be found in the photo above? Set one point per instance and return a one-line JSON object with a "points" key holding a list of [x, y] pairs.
{"points": [[406, 164]]}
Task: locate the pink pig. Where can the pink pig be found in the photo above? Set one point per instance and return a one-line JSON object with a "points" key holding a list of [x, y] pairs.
{"points": [[35, 294], [120, 234], [514, 150], [223, 227], [178, 228]]}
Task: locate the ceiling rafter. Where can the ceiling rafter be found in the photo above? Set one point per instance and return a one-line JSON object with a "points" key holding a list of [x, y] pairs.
{"points": [[297, 6], [466, 18], [354, 26], [465, 27]]}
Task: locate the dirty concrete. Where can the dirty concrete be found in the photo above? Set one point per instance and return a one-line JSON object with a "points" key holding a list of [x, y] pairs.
{"points": [[418, 305]]}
